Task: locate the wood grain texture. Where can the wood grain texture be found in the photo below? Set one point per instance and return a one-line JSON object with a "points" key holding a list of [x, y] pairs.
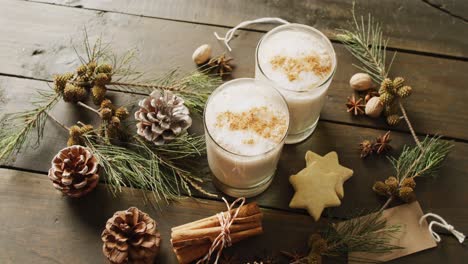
{"points": [[51, 228], [40, 47], [411, 25], [328, 137]]}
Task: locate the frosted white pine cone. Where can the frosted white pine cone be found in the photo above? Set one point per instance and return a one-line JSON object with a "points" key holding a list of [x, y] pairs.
{"points": [[162, 117]]}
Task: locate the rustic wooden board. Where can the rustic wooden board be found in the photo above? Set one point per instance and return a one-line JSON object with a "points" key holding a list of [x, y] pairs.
{"points": [[50, 228], [40, 47], [411, 25], [328, 137]]}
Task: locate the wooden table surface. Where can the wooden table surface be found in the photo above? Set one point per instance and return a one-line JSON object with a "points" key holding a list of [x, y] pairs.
{"points": [[430, 36]]}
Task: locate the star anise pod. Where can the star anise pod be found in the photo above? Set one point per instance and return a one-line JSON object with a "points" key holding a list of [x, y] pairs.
{"points": [[222, 64], [366, 148], [355, 106], [382, 143]]}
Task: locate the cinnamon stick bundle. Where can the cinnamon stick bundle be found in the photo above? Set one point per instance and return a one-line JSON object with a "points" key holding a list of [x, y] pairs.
{"points": [[193, 240]]}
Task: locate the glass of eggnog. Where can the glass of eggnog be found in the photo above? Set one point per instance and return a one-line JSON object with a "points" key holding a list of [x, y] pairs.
{"points": [[301, 62], [245, 128]]}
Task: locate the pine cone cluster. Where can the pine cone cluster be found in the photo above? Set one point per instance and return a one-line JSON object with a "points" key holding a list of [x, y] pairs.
{"points": [[75, 134], [131, 236], [74, 171], [390, 91], [162, 117], [75, 86], [391, 187], [113, 115]]}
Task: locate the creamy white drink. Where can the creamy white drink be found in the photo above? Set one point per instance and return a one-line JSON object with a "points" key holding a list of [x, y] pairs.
{"points": [[301, 61], [245, 128]]}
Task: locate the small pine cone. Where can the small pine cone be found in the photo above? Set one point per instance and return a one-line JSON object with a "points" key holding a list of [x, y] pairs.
{"points": [[406, 194], [101, 79], [131, 236], [72, 141], [386, 98], [162, 117], [392, 184], [99, 94], [75, 132], [107, 103], [393, 120], [81, 70], [121, 113], [409, 182], [387, 86], [74, 171], [86, 129], [381, 188], [405, 91], [398, 83], [61, 80], [104, 68], [115, 121], [106, 113], [73, 94], [91, 67]]}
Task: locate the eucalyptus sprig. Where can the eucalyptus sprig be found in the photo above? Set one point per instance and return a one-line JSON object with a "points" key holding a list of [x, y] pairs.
{"points": [[367, 234], [15, 128]]}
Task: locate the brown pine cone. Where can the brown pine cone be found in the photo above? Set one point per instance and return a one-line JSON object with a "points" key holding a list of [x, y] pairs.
{"points": [[381, 189], [130, 236], [74, 171], [392, 184], [406, 194], [408, 182]]}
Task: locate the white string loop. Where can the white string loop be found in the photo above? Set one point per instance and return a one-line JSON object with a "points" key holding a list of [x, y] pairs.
{"points": [[230, 33], [459, 235]]}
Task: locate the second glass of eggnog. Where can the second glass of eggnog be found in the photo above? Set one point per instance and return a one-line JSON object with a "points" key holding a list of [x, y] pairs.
{"points": [[301, 62], [245, 128]]}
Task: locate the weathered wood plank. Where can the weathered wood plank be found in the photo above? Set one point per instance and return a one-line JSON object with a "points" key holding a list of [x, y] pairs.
{"points": [[50, 228], [329, 137], [40, 47], [411, 25]]}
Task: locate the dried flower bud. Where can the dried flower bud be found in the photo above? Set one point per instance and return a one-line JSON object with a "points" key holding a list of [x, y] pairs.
{"points": [[91, 66], [115, 121], [86, 129], [104, 68], [381, 189], [61, 80], [75, 132], [409, 182], [406, 194], [81, 70], [121, 113], [101, 79], [107, 103], [73, 93], [106, 113], [392, 184], [99, 94]]}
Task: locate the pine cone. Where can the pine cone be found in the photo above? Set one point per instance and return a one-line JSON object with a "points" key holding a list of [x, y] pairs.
{"points": [[121, 113], [408, 182], [82, 69], [102, 79], [381, 189], [398, 82], [391, 109], [99, 94], [74, 171], [162, 117], [404, 91], [91, 67], [386, 98], [61, 80], [73, 93], [106, 113], [392, 184], [130, 236], [104, 68], [393, 120], [386, 86], [107, 103], [86, 129], [406, 194]]}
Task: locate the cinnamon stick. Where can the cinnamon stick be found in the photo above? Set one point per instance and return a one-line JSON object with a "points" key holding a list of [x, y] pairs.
{"points": [[193, 240]]}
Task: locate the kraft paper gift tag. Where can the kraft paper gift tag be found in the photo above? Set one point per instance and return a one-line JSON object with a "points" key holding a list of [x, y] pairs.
{"points": [[413, 237]]}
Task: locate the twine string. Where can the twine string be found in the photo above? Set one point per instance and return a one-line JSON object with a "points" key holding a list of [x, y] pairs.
{"points": [[223, 240], [230, 33], [441, 223]]}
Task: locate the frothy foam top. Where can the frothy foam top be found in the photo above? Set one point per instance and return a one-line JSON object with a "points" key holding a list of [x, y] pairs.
{"points": [[246, 118], [295, 58]]}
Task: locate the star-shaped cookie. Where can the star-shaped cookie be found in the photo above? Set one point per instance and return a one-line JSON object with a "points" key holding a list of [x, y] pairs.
{"points": [[318, 184], [330, 160]]}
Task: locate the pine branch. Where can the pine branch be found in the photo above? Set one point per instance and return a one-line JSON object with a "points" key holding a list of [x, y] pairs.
{"points": [[16, 127]]}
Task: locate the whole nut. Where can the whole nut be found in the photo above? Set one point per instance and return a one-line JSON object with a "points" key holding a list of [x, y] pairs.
{"points": [[374, 107], [202, 54], [361, 82]]}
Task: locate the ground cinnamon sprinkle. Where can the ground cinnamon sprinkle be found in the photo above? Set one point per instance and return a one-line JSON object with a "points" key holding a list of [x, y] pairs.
{"points": [[294, 66], [260, 120]]}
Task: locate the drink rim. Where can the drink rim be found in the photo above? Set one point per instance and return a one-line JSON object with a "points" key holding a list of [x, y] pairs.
{"points": [[223, 86], [295, 25]]}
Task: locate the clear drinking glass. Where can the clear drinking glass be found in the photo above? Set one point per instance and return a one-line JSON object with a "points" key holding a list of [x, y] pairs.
{"points": [[241, 166], [305, 99]]}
